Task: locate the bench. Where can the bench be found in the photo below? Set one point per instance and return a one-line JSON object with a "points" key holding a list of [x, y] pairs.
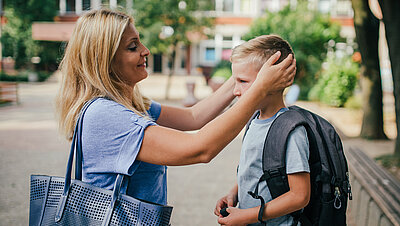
{"points": [[9, 92], [376, 193]]}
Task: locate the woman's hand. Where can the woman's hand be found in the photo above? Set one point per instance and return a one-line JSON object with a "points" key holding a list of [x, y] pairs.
{"points": [[276, 77]]}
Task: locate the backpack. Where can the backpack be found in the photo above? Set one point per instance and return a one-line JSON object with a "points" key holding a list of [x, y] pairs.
{"points": [[329, 176]]}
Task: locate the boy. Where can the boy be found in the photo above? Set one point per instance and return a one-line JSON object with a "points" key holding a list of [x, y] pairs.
{"points": [[247, 60]]}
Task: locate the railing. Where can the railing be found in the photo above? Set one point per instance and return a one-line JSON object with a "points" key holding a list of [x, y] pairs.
{"points": [[376, 193]]}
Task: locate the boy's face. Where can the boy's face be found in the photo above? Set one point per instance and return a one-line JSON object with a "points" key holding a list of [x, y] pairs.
{"points": [[244, 74]]}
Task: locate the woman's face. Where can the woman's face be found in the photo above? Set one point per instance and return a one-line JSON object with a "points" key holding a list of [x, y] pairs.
{"points": [[130, 59]]}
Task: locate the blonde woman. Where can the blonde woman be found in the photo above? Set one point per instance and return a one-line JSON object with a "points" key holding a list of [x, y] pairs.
{"points": [[126, 133]]}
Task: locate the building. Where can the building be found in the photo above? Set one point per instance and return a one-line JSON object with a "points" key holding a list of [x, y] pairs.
{"points": [[232, 20]]}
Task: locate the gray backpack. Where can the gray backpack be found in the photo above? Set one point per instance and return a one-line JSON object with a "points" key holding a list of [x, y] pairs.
{"points": [[329, 176]]}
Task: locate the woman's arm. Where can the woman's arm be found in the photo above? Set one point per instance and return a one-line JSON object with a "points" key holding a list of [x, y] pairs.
{"points": [[197, 116], [296, 198], [165, 146]]}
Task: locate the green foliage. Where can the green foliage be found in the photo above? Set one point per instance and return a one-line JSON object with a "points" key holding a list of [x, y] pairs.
{"points": [[336, 84], [389, 161], [23, 76], [222, 69], [13, 78], [224, 73], [307, 32], [151, 16], [354, 102], [16, 37]]}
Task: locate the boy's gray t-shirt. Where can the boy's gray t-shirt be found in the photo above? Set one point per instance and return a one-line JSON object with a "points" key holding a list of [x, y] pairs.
{"points": [[250, 165]]}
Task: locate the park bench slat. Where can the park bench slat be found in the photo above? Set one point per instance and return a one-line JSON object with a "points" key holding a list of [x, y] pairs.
{"points": [[381, 186]]}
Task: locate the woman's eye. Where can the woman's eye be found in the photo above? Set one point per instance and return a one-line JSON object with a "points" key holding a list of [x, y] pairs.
{"points": [[134, 48]]}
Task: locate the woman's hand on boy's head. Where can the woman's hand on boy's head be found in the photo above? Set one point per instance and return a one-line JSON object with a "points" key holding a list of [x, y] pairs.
{"points": [[279, 76]]}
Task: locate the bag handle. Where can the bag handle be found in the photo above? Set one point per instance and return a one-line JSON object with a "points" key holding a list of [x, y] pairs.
{"points": [[76, 147]]}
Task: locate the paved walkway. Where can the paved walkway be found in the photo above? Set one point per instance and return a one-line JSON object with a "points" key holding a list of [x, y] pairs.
{"points": [[30, 144]]}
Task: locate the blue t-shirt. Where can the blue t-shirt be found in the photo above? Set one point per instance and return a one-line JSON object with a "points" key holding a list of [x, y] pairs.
{"points": [[111, 139], [250, 165]]}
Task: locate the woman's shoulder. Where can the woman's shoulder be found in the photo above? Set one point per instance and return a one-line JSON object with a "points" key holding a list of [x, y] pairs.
{"points": [[103, 108], [106, 111]]}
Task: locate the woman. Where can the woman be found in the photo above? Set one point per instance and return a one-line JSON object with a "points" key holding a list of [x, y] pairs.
{"points": [[124, 132]]}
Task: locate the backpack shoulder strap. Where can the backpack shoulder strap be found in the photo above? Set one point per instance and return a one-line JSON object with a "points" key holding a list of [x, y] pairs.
{"points": [[255, 115], [274, 156], [274, 151]]}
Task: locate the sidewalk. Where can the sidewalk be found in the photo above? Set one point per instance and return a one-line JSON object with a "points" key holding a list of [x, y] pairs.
{"points": [[30, 144]]}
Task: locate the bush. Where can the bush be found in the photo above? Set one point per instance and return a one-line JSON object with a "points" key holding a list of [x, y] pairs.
{"points": [[336, 84], [222, 69], [13, 78], [307, 32], [23, 77], [224, 73]]}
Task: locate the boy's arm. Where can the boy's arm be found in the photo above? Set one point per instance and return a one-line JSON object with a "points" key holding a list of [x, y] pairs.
{"points": [[296, 198], [299, 183]]}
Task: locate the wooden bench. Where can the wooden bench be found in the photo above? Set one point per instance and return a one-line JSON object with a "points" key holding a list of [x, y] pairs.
{"points": [[9, 92], [376, 193]]}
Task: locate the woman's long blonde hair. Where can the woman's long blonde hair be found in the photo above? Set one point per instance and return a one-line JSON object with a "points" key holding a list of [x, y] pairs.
{"points": [[86, 68]]}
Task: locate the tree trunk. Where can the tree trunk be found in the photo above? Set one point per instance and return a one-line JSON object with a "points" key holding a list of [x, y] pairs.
{"points": [[391, 19], [171, 72], [367, 33]]}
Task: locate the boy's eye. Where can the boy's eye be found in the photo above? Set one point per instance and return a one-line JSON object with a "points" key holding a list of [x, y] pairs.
{"points": [[242, 81]]}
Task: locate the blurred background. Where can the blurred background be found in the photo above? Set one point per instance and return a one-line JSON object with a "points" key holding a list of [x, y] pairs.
{"points": [[347, 54]]}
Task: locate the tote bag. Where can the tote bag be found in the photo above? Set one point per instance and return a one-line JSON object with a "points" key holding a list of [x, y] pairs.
{"points": [[66, 201]]}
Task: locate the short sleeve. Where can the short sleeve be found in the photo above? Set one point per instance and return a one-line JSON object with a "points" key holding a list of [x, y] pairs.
{"points": [[112, 136], [297, 152], [154, 110]]}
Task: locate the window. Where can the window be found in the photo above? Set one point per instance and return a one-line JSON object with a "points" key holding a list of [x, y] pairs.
{"points": [[227, 38], [86, 5], [70, 5], [324, 6], [343, 8], [228, 6], [245, 6], [210, 54]]}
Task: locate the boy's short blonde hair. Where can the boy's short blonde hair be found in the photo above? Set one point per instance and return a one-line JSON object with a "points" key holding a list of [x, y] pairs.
{"points": [[258, 50]]}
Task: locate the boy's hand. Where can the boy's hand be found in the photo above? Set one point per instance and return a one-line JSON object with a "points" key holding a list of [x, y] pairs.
{"points": [[277, 77], [230, 200], [236, 217]]}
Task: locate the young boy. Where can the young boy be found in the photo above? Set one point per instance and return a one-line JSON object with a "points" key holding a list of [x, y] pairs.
{"points": [[247, 60]]}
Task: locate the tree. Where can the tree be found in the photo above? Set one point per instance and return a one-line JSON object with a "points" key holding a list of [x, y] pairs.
{"points": [[391, 19], [174, 16], [367, 34], [308, 37], [17, 34]]}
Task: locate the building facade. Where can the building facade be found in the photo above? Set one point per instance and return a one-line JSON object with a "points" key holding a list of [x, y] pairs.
{"points": [[232, 21]]}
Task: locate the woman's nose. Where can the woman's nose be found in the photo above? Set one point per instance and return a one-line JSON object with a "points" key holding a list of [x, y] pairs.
{"points": [[145, 51]]}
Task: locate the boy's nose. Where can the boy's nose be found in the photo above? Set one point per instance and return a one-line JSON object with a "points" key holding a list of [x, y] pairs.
{"points": [[236, 92]]}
